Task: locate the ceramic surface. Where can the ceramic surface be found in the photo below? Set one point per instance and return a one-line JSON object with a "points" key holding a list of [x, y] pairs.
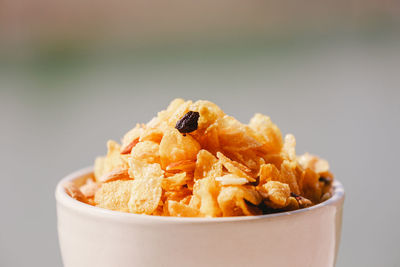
{"points": [[91, 236]]}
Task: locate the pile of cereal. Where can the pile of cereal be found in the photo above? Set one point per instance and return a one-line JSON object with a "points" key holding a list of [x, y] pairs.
{"points": [[193, 160]]}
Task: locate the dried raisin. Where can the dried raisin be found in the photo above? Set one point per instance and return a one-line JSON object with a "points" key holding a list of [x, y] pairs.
{"points": [[188, 123]]}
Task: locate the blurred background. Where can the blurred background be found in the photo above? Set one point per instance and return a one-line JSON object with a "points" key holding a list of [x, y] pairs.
{"points": [[76, 73]]}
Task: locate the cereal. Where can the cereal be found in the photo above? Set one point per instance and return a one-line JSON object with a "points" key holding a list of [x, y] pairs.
{"points": [[130, 139], [176, 147], [181, 194], [145, 195], [311, 187], [235, 167], [234, 136], [207, 165], [146, 151], [207, 190], [113, 160], [230, 179], [208, 111], [90, 188], [114, 195], [185, 165], [116, 174], [209, 140], [248, 159], [151, 134], [303, 202], [128, 148], [268, 132], [292, 204], [193, 160], [268, 172], [288, 175], [174, 182], [178, 209], [232, 200], [143, 170], [314, 163], [277, 193], [73, 191], [289, 147]]}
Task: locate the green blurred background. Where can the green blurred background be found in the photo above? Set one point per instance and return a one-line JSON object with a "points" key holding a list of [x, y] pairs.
{"points": [[74, 74]]}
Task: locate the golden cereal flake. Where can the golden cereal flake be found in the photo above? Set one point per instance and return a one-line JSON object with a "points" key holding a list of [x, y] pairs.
{"points": [[152, 134], [230, 179], [288, 176], [145, 195], [178, 113], [313, 162], [73, 191], [267, 132], [209, 140], [178, 209], [176, 147], [114, 195], [142, 170], [146, 151], [207, 165], [185, 165], [310, 186], [235, 136], [278, 193], [234, 168], [289, 147], [209, 113], [207, 190], [90, 188], [113, 160], [268, 172], [116, 174], [132, 135], [232, 200], [174, 182]]}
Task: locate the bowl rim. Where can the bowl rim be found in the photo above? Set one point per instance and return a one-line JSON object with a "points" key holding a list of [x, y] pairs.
{"points": [[64, 199]]}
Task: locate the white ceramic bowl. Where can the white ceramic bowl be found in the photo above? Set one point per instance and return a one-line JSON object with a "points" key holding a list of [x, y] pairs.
{"points": [[91, 236]]}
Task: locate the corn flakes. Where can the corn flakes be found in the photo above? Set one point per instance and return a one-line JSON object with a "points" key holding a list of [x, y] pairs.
{"points": [[193, 160]]}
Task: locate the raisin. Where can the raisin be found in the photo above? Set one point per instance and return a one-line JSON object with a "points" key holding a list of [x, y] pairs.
{"points": [[188, 123]]}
